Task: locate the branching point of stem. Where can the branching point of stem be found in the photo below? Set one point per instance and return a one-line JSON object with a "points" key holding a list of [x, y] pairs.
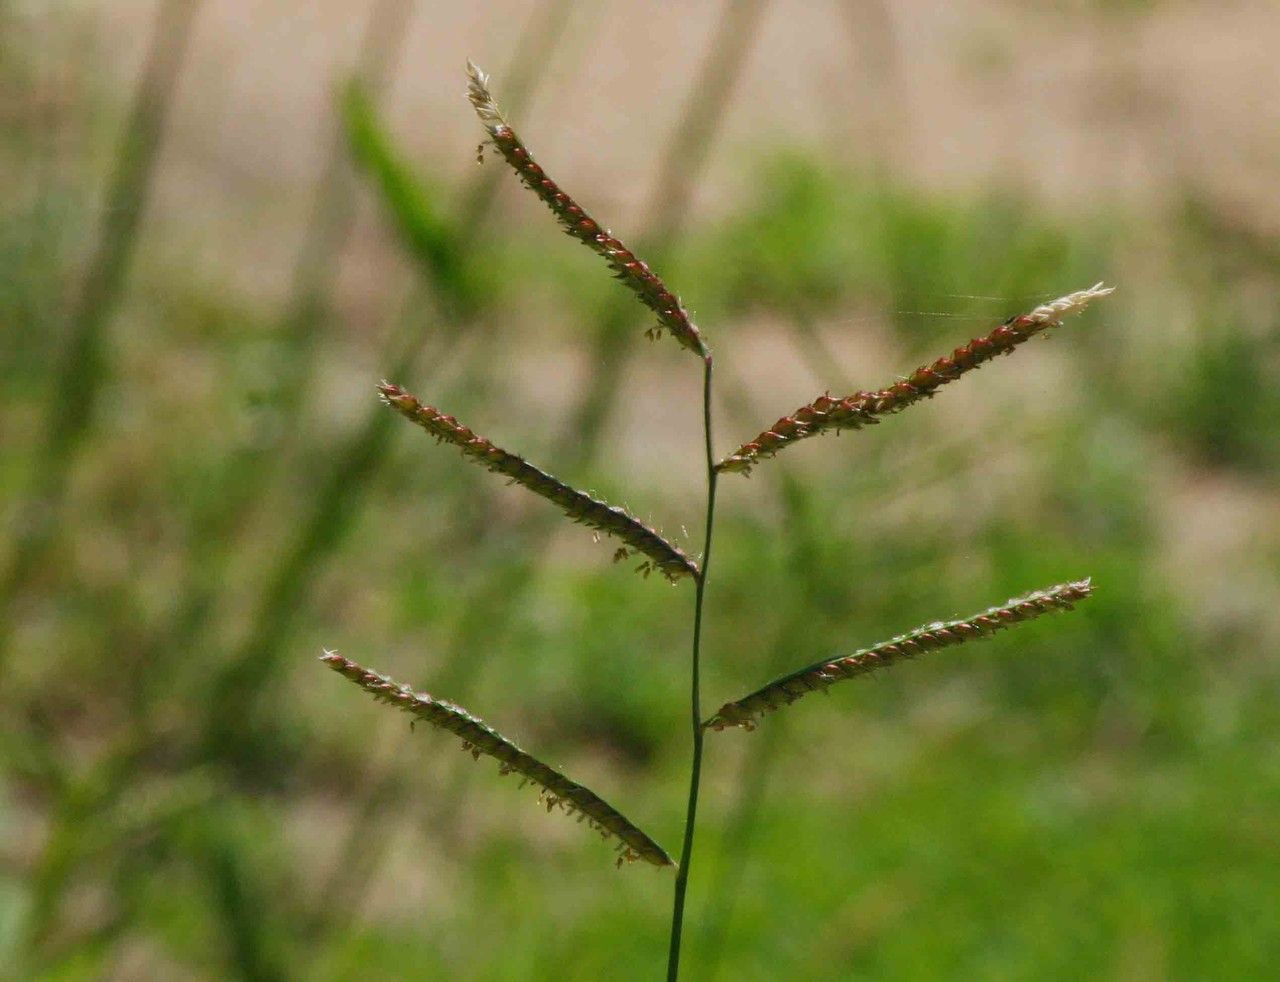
{"points": [[695, 773]]}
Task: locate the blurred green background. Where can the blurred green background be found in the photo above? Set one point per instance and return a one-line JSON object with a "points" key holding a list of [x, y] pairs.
{"points": [[223, 223]]}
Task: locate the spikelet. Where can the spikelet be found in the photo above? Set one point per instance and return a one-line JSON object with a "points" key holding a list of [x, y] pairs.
{"points": [[582, 508], [817, 677], [480, 738], [634, 273], [864, 408]]}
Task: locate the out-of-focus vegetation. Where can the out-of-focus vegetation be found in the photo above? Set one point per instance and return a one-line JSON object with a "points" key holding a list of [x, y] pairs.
{"points": [[186, 793]]}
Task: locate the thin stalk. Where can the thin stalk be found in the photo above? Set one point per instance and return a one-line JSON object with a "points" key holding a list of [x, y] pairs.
{"points": [[695, 773], [742, 825], [744, 814]]}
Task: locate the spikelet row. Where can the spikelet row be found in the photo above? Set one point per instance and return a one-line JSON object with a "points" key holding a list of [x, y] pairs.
{"points": [[664, 557], [817, 677], [864, 408], [632, 271], [480, 738]]}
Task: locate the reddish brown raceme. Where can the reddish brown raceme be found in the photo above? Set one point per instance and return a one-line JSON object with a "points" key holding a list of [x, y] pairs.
{"points": [[666, 558], [478, 737], [817, 677], [864, 408], [631, 270]]}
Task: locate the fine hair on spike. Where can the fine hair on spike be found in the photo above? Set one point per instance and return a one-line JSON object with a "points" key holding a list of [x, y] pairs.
{"points": [[480, 738], [817, 677], [661, 555], [865, 408], [630, 270]]}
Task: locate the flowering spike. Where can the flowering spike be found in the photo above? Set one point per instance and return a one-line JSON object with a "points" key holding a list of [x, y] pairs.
{"points": [[666, 558], [865, 408], [480, 738], [783, 691], [634, 273]]}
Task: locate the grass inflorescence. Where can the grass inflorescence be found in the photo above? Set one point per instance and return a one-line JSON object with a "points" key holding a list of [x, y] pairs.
{"points": [[630, 270], [478, 738], [819, 676], [823, 414], [664, 557], [865, 408]]}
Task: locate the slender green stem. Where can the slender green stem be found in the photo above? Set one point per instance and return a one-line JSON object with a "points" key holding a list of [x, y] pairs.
{"points": [[695, 774]]}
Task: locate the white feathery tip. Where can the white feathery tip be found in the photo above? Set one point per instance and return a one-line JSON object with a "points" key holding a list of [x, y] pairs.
{"points": [[1072, 303], [481, 99]]}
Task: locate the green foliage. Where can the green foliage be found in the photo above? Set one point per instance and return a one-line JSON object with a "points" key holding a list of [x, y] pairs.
{"points": [[413, 208], [1226, 406]]}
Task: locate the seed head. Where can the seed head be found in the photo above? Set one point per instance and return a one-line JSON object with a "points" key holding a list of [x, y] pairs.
{"points": [[633, 272], [478, 738], [865, 408], [817, 677]]}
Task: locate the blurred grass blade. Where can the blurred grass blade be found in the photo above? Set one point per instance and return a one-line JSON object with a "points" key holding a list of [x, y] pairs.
{"points": [[242, 681], [98, 818], [242, 481], [428, 236], [82, 370], [819, 676], [480, 738], [238, 688], [250, 915], [332, 214]]}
